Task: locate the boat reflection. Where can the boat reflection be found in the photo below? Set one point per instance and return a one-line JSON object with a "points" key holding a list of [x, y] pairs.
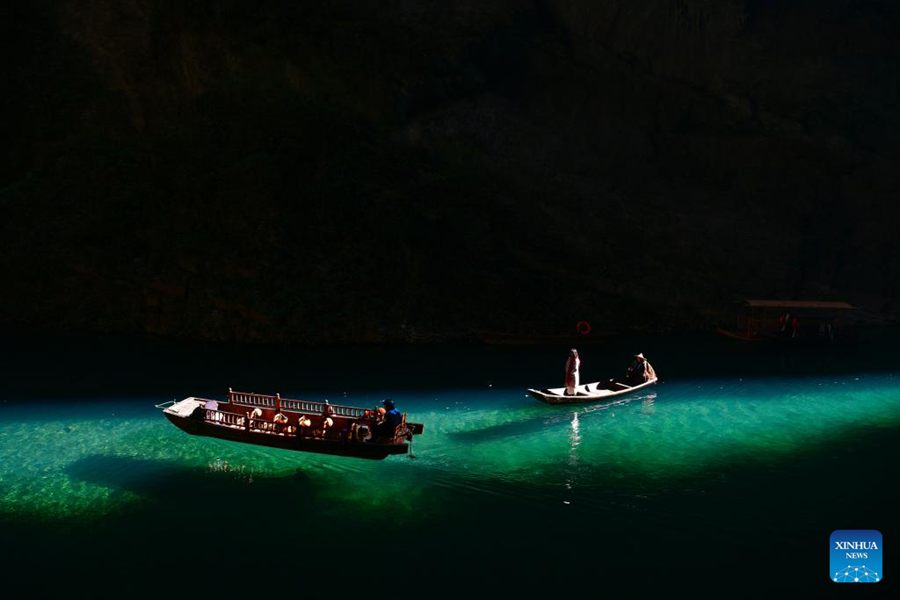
{"points": [[574, 439], [539, 419], [572, 470]]}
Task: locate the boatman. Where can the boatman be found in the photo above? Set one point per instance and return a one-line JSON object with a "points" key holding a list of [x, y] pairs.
{"points": [[386, 429], [573, 366], [639, 371]]}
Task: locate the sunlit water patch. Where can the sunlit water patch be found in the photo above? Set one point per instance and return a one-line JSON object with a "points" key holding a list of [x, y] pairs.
{"points": [[62, 460]]}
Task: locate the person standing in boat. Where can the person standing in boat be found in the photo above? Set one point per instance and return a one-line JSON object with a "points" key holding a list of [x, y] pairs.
{"points": [[639, 371], [573, 366]]}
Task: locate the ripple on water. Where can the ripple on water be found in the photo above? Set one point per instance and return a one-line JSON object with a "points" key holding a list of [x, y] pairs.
{"points": [[495, 444]]}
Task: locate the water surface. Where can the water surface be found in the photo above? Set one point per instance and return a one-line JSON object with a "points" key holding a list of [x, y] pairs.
{"points": [[725, 468]]}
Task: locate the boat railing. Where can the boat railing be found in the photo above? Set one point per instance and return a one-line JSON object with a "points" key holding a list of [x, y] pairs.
{"points": [[224, 418], [252, 399], [302, 406], [219, 417]]}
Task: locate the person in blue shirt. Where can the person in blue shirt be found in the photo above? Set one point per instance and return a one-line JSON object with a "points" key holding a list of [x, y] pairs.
{"points": [[385, 430]]}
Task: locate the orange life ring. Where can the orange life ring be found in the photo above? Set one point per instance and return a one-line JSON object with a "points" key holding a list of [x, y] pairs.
{"points": [[583, 327]]}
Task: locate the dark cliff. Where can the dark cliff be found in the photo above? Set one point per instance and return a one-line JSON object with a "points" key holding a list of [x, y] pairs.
{"points": [[414, 170]]}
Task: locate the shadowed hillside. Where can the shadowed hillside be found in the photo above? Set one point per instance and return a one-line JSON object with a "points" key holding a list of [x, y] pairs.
{"points": [[413, 170]]}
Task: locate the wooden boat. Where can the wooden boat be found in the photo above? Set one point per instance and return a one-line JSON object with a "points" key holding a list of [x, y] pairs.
{"points": [[310, 426], [589, 392]]}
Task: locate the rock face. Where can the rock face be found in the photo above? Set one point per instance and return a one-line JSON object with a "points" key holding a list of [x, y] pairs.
{"points": [[413, 170]]}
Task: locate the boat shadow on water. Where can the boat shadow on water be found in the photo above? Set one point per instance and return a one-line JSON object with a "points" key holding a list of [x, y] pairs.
{"points": [[547, 417], [207, 525], [179, 485]]}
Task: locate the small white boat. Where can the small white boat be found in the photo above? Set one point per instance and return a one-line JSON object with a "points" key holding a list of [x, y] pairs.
{"points": [[589, 392]]}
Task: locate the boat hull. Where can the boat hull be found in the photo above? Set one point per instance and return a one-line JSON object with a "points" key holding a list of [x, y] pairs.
{"points": [[585, 395], [368, 450]]}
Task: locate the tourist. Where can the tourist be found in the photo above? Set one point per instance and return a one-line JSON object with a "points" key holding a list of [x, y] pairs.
{"points": [[327, 421], [573, 365], [255, 418], [303, 425], [280, 420]]}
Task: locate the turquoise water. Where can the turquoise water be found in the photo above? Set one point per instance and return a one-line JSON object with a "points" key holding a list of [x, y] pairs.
{"points": [[475, 439], [712, 467]]}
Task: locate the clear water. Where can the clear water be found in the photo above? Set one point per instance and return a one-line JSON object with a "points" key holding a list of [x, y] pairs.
{"points": [[716, 468]]}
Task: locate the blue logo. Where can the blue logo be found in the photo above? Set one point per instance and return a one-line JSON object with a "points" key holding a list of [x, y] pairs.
{"points": [[856, 556]]}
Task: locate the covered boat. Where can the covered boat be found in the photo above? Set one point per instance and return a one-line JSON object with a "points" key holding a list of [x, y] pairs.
{"points": [[589, 392], [292, 424], [791, 321]]}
